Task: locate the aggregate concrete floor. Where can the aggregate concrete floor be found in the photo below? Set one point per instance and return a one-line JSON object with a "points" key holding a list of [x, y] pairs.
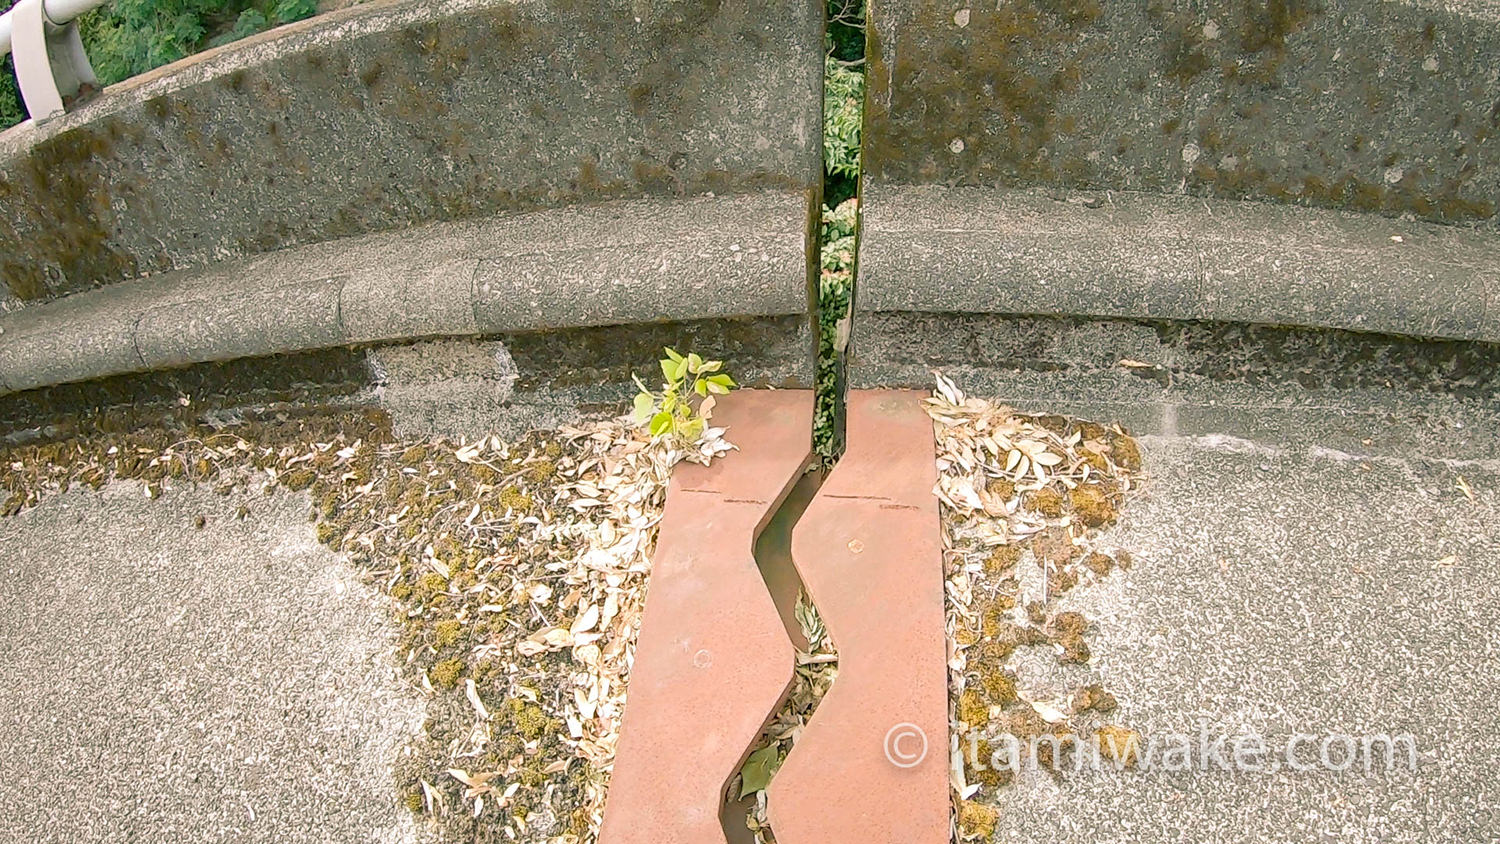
{"points": [[1281, 591], [160, 682], [1305, 563]]}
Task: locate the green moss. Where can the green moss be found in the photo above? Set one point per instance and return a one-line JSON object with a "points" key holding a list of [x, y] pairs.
{"points": [[972, 709], [976, 820], [446, 673], [298, 479], [541, 471], [512, 498], [328, 533], [1003, 558], [1091, 504], [1099, 564], [1093, 697], [999, 686], [1048, 502], [445, 634], [529, 719], [1126, 452], [430, 584]]}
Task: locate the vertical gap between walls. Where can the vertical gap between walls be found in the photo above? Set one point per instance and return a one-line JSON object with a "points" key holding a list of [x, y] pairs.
{"points": [[843, 110]]}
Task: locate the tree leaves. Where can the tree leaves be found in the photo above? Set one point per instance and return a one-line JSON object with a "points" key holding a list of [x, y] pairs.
{"points": [[671, 411], [758, 770]]}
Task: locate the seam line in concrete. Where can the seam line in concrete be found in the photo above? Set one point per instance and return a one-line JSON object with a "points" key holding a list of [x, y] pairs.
{"points": [[474, 294], [135, 335], [338, 308]]}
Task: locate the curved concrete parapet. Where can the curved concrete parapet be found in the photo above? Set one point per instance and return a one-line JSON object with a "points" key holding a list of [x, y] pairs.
{"points": [[1096, 158], [628, 262], [390, 115], [1152, 256]]}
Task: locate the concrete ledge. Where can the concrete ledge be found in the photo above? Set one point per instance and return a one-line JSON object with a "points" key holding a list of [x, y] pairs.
{"points": [[497, 275], [1114, 254]]}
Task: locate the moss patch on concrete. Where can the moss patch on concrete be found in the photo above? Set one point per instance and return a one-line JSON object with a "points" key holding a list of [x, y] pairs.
{"points": [[447, 540]]}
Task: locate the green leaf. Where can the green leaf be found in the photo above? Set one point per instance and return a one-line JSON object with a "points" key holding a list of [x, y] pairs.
{"points": [[643, 404], [694, 362], [700, 387], [669, 370], [710, 366], [756, 774], [693, 429], [661, 423], [722, 380], [682, 370], [672, 354]]}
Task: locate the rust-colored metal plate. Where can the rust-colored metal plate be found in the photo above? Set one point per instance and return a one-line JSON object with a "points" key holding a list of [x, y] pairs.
{"points": [[713, 660], [872, 765]]}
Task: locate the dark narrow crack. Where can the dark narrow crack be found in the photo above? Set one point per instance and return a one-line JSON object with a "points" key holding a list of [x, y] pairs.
{"points": [[838, 232], [773, 554]]}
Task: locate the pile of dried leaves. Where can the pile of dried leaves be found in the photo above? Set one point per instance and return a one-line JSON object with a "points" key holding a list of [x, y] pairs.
{"points": [[517, 568], [1019, 490]]}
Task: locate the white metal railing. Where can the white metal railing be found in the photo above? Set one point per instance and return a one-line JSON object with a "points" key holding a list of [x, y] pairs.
{"points": [[51, 64]]}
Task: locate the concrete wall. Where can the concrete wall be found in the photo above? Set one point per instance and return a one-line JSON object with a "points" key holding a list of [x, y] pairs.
{"points": [[1372, 105], [616, 172], [1327, 164], [389, 115]]}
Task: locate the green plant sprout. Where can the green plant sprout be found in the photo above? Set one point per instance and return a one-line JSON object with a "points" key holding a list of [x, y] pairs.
{"points": [[686, 401]]}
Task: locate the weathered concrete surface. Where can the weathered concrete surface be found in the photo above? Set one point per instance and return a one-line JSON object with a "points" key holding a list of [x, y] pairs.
{"points": [[634, 261], [1154, 256], [1289, 386], [1288, 590], [1301, 497], [1374, 105], [1147, 122], [391, 114], [160, 682], [513, 383]]}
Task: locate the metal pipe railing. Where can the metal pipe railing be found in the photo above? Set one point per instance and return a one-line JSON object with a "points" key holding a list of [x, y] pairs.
{"points": [[58, 12], [51, 65]]}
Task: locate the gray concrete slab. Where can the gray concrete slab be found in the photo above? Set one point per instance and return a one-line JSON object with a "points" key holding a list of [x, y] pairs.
{"points": [[160, 682], [1290, 590], [1305, 562]]}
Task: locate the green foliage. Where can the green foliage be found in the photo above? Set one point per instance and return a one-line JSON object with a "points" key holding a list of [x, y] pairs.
{"points": [[131, 37], [248, 23], [683, 406], [843, 109], [758, 769], [11, 111], [835, 288], [287, 11]]}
